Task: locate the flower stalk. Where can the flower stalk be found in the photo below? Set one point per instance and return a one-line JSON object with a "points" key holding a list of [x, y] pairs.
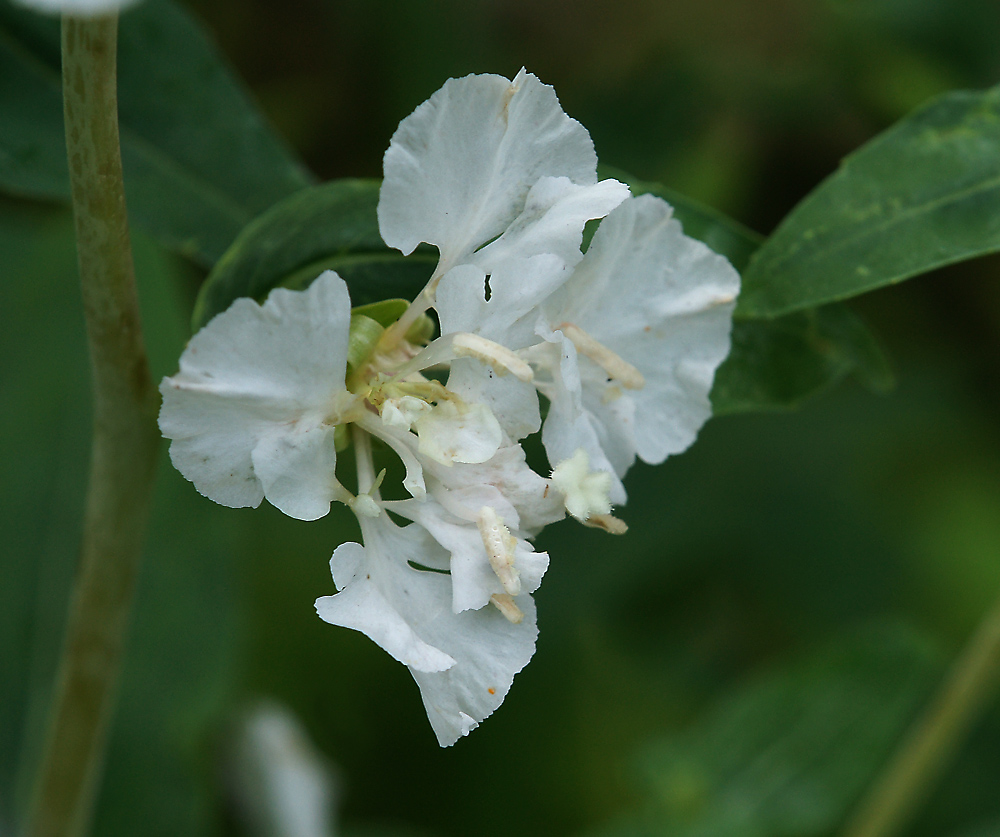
{"points": [[934, 739], [124, 444]]}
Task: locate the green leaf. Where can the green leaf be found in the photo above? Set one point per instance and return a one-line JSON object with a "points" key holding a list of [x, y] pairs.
{"points": [[333, 226], [720, 232], [200, 161], [923, 194], [777, 364], [789, 753], [990, 829]]}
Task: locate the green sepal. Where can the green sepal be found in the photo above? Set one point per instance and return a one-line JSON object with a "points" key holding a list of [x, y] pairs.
{"points": [[364, 335], [341, 437], [385, 312]]}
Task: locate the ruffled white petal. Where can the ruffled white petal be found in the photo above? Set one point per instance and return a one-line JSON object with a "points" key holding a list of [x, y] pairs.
{"points": [[552, 221], [296, 470], [663, 302], [459, 168], [463, 663], [263, 385], [488, 650], [387, 600]]}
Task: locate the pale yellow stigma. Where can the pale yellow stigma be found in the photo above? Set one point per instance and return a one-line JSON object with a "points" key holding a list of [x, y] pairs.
{"points": [[616, 368], [505, 604], [499, 545], [501, 359], [586, 493]]}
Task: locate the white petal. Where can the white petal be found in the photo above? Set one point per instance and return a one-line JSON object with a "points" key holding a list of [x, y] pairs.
{"points": [[459, 168], [488, 652], [253, 375], [463, 663], [525, 500], [517, 287], [388, 601], [663, 302], [404, 445], [552, 221], [296, 470], [514, 403]]}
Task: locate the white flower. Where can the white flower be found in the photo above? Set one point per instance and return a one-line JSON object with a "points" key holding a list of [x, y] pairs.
{"points": [[260, 389], [623, 342], [464, 663], [625, 347]]}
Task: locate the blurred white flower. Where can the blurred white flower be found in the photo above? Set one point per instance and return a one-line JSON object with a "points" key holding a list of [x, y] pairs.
{"points": [[78, 8], [281, 783]]}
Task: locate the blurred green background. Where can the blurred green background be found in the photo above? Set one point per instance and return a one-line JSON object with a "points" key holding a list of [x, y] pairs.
{"points": [[790, 588]]}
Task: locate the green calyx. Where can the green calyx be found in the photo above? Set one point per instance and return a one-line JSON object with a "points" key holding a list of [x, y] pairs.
{"points": [[368, 324]]}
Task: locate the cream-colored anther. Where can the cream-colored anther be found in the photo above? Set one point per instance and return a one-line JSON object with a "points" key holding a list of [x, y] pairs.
{"points": [[499, 545], [505, 604], [608, 522], [617, 369], [365, 504], [501, 359]]}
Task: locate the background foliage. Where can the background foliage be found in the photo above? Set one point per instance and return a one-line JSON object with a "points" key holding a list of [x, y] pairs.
{"points": [[790, 588]]}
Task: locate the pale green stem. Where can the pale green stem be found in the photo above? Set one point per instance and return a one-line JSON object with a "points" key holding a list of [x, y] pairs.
{"points": [[424, 300], [124, 445], [933, 741], [364, 463]]}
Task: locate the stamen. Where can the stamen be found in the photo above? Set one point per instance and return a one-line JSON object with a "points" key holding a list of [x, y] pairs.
{"points": [[499, 545], [620, 370], [365, 504], [608, 522], [505, 604], [501, 359]]}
